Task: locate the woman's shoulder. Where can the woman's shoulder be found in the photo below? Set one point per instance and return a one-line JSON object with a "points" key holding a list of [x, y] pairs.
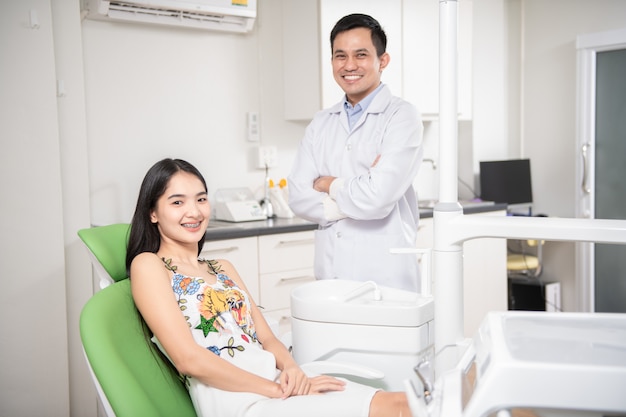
{"points": [[146, 262], [146, 258]]}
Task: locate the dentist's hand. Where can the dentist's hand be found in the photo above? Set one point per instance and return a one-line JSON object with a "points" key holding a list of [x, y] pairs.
{"points": [[322, 184]]}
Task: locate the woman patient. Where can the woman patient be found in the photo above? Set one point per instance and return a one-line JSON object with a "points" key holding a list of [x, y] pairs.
{"points": [[201, 313]]}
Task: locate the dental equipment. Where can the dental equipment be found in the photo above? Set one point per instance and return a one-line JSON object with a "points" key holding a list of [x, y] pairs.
{"points": [[362, 290], [361, 323], [494, 348]]}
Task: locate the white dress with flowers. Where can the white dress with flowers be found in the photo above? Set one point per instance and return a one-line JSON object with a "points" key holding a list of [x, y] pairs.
{"points": [[220, 320]]}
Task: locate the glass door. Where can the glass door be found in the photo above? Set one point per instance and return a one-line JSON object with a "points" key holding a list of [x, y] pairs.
{"points": [[601, 268], [610, 177]]}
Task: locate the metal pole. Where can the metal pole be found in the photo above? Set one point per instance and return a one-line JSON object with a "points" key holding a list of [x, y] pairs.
{"points": [[447, 257]]}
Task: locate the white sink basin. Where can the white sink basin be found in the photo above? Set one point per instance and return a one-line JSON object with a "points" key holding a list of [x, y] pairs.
{"points": [[353, 302]]}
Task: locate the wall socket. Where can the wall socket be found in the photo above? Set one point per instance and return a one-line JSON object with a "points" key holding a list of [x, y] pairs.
{"points": [[268, 156]]}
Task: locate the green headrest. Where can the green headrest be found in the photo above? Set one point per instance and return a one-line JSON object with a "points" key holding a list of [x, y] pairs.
{"points": [[108, 244]]}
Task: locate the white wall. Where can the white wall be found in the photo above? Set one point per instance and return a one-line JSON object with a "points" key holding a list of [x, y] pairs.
{"points": [[155, 92], [33, 318]]}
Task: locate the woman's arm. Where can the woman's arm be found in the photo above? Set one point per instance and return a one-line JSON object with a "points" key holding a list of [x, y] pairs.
{"points": [[155, 300], [293, 380]]}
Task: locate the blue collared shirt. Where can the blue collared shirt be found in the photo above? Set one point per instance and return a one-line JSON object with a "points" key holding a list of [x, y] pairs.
{"points": [[355, 112]]}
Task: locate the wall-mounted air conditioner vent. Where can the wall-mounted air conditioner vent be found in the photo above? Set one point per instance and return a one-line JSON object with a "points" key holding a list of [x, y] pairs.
{"points": [[223, 15]]}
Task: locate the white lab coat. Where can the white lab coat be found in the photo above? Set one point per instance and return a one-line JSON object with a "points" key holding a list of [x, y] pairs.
{"points": [[379, 203]]}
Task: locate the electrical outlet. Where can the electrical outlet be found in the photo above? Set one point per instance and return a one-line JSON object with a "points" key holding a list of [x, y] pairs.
{"points": [[268, 156]]}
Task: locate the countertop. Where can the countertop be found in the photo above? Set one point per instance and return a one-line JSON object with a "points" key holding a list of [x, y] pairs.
{"points": [[222, 230]]}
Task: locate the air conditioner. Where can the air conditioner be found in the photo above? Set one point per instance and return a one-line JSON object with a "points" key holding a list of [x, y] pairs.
{"points": [[223, 15]]}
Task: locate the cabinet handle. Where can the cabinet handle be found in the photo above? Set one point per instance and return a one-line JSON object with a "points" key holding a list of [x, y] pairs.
{"points": [[295, 242], [227, 249], [298, 278], [585, 186]]}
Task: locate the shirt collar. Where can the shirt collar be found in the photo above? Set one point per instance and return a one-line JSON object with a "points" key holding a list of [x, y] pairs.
{"points": [[363, 104]]}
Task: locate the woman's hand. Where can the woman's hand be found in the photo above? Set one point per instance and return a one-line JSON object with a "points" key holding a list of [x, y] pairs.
{"points": [[294, 381], [325, 383]]}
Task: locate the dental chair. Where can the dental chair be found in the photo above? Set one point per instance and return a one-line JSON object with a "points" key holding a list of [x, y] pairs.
{"points": [[131, 376], [129, 373]]}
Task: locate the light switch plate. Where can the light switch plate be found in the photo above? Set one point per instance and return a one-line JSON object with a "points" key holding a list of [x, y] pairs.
{"points": [[268, 156], [253, 127]]}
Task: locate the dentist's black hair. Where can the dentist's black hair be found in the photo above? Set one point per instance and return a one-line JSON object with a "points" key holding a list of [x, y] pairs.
{"points": [[359, 20], [144, 235]]}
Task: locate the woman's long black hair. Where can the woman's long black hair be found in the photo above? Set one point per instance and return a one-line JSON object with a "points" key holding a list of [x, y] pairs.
{"points": [[144, 235]]}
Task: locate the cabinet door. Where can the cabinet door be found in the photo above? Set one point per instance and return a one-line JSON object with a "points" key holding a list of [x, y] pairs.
{"points": [[276, 287], [420, 23], [285, 261], [243, 254], [484, 278], [286, 251]]}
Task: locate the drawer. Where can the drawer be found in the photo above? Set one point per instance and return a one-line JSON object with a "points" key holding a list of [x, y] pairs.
{"points": [[276, 287], [286, 251], [242, 253]]}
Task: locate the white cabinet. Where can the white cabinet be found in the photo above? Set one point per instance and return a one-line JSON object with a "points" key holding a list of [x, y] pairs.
{"points": [[484, 273], [285, 261], [420, 53], [412, 28], [243, 254]]}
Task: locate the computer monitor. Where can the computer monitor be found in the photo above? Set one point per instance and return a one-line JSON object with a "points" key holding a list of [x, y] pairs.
{"points": [[506, 181]]}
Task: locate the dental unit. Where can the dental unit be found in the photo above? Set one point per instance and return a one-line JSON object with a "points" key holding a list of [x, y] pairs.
{"points": [[555, 364], [552, 363]]}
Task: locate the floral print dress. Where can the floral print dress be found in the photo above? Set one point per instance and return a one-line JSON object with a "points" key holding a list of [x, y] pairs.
{"points": [[219, 318]]}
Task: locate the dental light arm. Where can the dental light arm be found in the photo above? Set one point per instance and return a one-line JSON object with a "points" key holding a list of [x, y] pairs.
{"points": [[452, 228]]}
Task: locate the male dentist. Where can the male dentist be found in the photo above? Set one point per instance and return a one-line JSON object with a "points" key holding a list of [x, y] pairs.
{"points": [[354, 170]]}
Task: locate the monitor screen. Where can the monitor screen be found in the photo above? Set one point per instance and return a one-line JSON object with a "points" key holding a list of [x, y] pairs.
{"points": [[506, 181]]}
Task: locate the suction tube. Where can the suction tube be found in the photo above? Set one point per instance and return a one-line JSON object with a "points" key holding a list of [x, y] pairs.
{"points": [[362, 289]]}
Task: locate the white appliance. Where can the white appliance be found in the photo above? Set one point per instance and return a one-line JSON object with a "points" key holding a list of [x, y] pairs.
{"points": [[222, 15], [237, 205], [364, 324], [555, 364]]}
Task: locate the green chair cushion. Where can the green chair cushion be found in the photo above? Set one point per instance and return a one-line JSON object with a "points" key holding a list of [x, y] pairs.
{"points": [[135, 378]]}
